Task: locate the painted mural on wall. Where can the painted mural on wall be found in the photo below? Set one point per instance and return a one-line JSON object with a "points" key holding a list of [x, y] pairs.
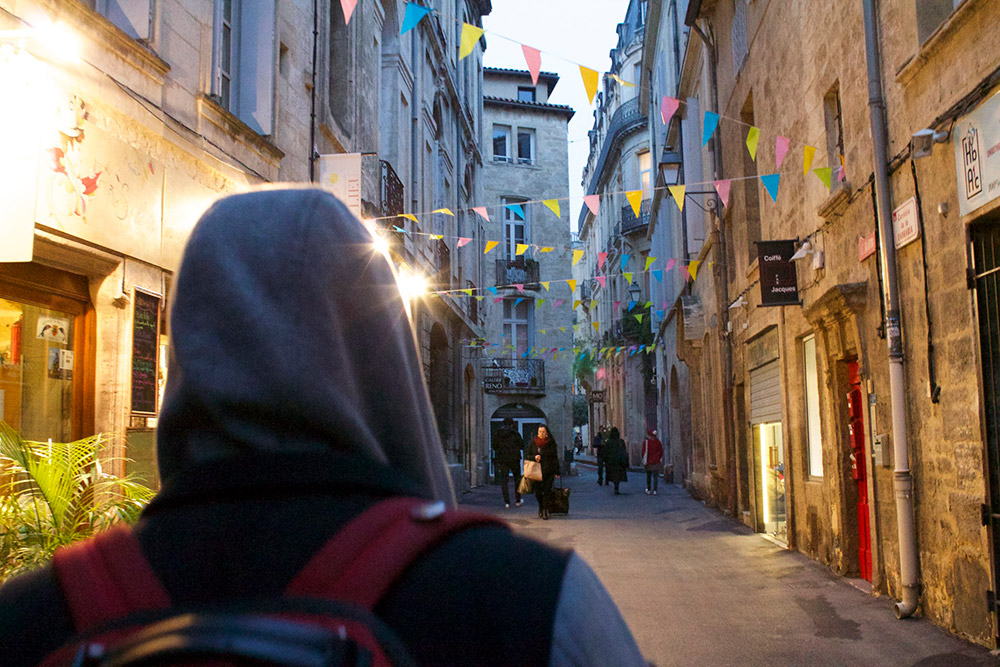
{"points": [[95, 186]]}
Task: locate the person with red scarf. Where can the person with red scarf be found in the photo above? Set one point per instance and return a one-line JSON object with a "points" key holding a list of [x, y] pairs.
{"points": [[543, 449], [652, 459]]}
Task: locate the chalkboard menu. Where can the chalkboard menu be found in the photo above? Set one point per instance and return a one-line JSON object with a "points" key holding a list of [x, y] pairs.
{"points": [[145, 347]]}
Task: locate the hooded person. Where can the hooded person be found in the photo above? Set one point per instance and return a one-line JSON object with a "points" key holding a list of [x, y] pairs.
{"points": [[296, 401]]}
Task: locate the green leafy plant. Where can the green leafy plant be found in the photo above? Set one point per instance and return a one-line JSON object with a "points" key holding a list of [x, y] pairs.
{"points": [[55, 494]]}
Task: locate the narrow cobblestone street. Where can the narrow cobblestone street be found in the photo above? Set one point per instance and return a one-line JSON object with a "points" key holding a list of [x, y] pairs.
{"points": [[699, 589]]}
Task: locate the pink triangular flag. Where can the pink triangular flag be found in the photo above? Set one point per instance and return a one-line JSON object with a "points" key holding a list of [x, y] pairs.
{"points": [[534, 59], [722, 187], [617, 303], [670, 264], [601, 258], [685, 273], [780, 149], [497, 299], [348, 7], [481, 210], [462, 240], [603, 280], [592, 202], [520, 287], [668, 107]]}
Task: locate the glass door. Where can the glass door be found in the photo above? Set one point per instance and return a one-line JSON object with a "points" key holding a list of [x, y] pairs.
{"points": [[771, 461]]}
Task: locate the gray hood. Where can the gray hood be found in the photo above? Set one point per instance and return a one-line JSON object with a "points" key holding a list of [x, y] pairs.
{"points": [[289, 335]]}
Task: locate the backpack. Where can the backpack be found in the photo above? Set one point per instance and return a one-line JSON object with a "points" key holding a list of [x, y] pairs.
{"points": [[123, 616]]}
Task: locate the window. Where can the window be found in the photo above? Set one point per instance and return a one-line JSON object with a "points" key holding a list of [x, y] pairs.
{"points": [[525, 93], [515, 227], [834, 128], [738, 34], [751, 193], [525, 146], [518, 324], [501, 143], [645, 175], [931, 14], [131, 16], [815, 432], [243, 61]]}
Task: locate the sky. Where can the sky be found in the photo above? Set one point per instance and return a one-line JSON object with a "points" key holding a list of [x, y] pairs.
{"points": [[569, 33]]}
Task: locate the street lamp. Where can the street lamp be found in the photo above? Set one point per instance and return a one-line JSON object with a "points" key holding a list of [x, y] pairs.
{"points": [[634, 292]]}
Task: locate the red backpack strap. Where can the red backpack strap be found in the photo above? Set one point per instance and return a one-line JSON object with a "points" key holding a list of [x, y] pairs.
{"points": [[107, 577], [366, 557]]}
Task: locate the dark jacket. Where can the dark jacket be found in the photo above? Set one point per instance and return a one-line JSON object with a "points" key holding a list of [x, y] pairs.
{"points": [[508, 446], [550, 457], [616, 459]]}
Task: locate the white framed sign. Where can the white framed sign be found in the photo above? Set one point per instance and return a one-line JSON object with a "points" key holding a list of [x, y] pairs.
{"points": [[906, 223], [977, 155]]}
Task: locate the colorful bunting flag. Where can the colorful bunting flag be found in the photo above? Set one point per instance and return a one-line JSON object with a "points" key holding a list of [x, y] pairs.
{"points": [[780, 150], [497, 299], [711, 122], [678, 192], [470, 37], [516, 208], [414, 14], [639, 317], [409, 216], [601, 258], [533, 58], [603, 280], [399, 229], [545, 285], [590, 79], [623, 82], [559, 302], [490, 245], [546, 248], [592, 202], [670, 265], [649, 263], [634, 198], [518, 300], [481, 210], [437, 237], [628, 277], [693, 268], [723, 187], [462, 240], [492, 289], [553, 205], [625, 258], [824, 174], [468, 292], [538, 304], [577, 256], [658, 274], [593, 304], [348, 7], [572, 284], [771, 183], [807, 158], [446, 211], [597, 327], [668, 107], [577, 303], [617, 304], [753, 136], [521, 248], [520, 288]]}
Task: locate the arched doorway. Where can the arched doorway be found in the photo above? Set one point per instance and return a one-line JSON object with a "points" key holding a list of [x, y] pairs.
{"points": [[438, 384], [527, 419]]}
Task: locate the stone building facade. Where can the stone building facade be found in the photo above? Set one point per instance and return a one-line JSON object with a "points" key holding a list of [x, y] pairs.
{"points": [[527, 371], [792, 415], [116, 152]]}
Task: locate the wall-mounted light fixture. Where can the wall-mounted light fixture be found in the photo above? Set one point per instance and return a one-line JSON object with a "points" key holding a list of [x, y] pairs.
{"points": [[922, 142]]}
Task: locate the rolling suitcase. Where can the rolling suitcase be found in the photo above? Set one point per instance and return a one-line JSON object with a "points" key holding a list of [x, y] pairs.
{"points": [[559, 499]]}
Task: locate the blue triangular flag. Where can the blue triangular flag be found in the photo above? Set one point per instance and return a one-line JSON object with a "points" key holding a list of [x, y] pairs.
{"points": [[659, 314], [398, 229], [518, 300], [711, 122], [771, 182], [625, 259], [492, 289], [517, 210], [414, 13], [631, 305], [658, 274]]}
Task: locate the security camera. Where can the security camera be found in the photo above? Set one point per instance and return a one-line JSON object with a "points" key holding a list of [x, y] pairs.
{"points": [[922, 142]]}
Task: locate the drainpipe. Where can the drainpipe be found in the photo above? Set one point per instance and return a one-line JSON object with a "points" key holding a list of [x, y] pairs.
{"points": [[312, 93], [903, 482]]}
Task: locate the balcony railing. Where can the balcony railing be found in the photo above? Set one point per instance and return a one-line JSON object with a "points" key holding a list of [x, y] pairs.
{"points": [[391, 191], [631, 223], [518, 271], [514, 376], [442, 255]]}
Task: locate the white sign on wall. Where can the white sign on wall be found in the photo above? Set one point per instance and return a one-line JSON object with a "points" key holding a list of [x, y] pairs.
{"points": [[340, 173], [906, 223], [977, 155]]}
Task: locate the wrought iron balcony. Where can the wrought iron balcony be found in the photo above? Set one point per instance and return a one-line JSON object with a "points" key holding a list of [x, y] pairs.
{"points": [[391, 189], [518, 271], [514, 376], [630, 223]]}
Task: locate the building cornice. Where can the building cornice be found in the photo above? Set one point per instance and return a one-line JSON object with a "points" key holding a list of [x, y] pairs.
{"points": [[559, 109]]}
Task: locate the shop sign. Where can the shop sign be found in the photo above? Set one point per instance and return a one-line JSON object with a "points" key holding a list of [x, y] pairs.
{"points": [[977, 156], [779, 285], [52, 329], [145, 348], [340, 173], [694, 317], [597, 396], [493, 384], [906, 223], [866, 246], [763, 349]]}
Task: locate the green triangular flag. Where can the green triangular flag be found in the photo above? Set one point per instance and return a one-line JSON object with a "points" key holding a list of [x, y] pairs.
{"points": [[824, 174]]}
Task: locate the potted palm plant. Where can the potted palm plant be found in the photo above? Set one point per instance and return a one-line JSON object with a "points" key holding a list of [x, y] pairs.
{"points": [[55, 493]]}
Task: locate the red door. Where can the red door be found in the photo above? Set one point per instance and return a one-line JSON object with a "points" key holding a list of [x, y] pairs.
{"points": [[859, 468]]}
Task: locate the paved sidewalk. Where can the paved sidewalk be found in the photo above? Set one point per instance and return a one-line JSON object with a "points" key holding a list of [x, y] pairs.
{"points": [[699, 589]]}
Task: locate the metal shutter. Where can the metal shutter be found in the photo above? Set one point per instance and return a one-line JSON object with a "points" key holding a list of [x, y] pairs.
{"points": [[765, 394]]}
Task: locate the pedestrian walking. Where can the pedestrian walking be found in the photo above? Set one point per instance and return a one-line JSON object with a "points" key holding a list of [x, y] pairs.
{"points": [[507, 448], [278, 433], [599, 455], [616, 456], [652, 459], [543, 449]]}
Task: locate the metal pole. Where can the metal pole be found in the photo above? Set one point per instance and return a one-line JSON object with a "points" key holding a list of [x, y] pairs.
{"points": [[903, 482]]}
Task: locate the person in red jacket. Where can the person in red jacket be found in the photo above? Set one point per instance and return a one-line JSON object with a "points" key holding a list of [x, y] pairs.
{"points": [[652, 458]]}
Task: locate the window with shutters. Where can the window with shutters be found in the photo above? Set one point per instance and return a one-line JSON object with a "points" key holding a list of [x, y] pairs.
{"points": [[131, 16], [515, 225], [244, 61], [739, 35], [931, 14], [518, 324], [834, 129]]}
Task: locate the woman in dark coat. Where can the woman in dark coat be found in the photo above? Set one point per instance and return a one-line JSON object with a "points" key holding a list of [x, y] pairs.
{"points": [[543, 449], [616, 457]]}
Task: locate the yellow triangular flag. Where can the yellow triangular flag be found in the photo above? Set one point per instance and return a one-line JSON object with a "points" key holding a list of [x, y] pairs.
{"points": [[753, 136], [634, 198], [807, 158], [547, 248], [553, 205], [546, 285], [542, 331], [577, 304], [409, 216], [577, 256], [437, 237], [693, 269], [649, 262], [597, 326], [490, 245], [678, 192], [446, 211], [628, 277], [563, 329], [590, 78], [572, 284], [521, 248], [639, 317], [480, 298], [468, 292], [593, 304], [470, 36], [627, 84]]}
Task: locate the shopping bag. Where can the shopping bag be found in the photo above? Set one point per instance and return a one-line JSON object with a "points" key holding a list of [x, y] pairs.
{"points": [[533, 470], [524, 488]]}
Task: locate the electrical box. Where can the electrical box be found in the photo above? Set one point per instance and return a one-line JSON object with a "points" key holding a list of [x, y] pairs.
{"points": [[880, 450]]}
